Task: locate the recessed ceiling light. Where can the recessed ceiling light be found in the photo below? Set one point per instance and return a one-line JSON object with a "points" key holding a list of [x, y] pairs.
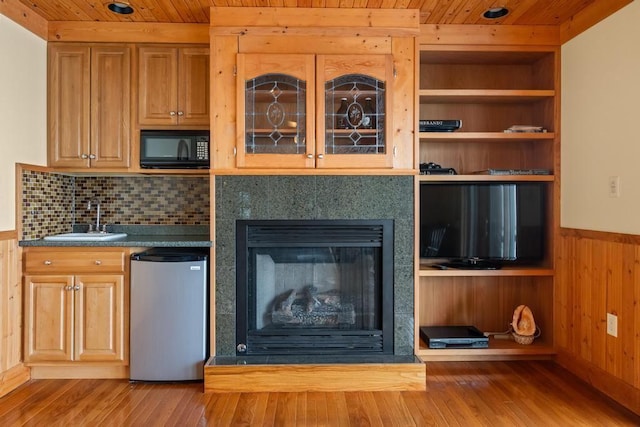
{"points": [[120, 7], [495, 12]]}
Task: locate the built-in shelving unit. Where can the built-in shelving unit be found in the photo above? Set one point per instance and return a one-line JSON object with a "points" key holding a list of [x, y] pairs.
{"points": [[489, 88]]}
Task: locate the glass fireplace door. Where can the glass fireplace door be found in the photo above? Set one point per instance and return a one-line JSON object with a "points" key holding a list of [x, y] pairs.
{"points": [[309, 289]]}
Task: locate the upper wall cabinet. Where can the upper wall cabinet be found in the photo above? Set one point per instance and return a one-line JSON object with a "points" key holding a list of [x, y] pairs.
{"points": [[313, 111], [313, 91], [89, 105], [173, 86]]}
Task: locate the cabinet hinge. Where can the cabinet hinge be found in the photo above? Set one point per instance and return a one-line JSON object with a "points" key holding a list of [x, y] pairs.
{"points": [[395, 72], [235, 71], [395, 150]]}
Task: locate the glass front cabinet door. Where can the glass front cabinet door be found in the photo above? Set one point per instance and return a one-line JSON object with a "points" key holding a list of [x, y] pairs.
{"points": [[313, 111]]}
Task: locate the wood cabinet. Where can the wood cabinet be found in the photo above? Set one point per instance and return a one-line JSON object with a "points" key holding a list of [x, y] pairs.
{"points": [[314, 51], [489, 88], [173, 86], [288, 111], [89, 105], [76, 306]]}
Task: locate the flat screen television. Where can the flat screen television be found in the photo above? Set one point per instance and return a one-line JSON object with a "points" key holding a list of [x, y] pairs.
{"points": [[482, 225]]}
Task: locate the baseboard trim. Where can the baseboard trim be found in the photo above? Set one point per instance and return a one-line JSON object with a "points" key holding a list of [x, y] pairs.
{"points": [[622, 392], [14, 378], [79, 372]]}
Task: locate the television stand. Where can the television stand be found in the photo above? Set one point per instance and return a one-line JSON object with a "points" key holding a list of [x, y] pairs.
{"points": [[468, 264]]}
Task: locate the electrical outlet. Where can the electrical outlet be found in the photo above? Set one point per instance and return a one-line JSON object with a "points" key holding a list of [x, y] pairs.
{"points": [[614, 186], [612, 324]]}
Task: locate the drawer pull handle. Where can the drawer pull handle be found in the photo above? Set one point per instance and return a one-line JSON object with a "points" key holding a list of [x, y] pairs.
{"points": [[47, 262], [98, 262]]}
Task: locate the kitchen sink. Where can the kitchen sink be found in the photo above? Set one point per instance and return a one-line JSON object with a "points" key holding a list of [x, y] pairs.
{"points": [[96, 237]]}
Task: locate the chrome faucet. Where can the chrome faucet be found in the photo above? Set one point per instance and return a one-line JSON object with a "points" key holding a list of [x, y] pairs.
{"points": [[96, 202]]}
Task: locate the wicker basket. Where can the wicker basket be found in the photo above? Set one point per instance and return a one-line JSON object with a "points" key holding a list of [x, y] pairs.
{"points": [[525, 339]]}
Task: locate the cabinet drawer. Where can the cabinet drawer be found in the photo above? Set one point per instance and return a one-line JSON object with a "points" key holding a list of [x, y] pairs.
{"points": [[74, 261]]}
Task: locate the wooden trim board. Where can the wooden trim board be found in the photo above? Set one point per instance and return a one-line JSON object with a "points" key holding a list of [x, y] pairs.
{"points": [[464, 34], [313, 377], [617, 389], [78, 371], [127, 32], [22, 15], [13, 378], [337, 22]]}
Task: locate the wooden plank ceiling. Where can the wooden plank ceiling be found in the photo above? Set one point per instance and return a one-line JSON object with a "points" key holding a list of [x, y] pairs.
{"points": [[521, 12]]}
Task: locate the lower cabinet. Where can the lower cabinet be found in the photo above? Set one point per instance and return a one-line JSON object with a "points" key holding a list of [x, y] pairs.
{"points": [[76, 307]]}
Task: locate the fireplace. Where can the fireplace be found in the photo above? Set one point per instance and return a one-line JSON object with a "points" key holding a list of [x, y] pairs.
{"points": [[314, 287]]}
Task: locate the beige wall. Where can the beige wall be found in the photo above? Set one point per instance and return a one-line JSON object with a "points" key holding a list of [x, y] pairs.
{"points": [[23, 109], [600, 112]]}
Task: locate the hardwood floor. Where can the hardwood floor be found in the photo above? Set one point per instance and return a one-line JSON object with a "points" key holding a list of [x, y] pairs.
{"points": [[458, 394]]}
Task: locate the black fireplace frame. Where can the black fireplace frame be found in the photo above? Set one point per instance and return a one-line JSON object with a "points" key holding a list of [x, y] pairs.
{"points": [[354, 233]]}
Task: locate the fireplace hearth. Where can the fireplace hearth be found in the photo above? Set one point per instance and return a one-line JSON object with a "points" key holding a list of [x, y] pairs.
{"points": [[314, 287]]}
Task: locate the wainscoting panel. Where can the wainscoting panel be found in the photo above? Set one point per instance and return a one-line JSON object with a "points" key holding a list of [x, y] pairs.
{"points": [[12, 373], [599, 273]]}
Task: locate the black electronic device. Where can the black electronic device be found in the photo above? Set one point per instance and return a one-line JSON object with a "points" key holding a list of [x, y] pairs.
{"points": [[486, 225], [514, 172], [468, 264], [435, 169], [174, 149], [439, 125], [453, 337]]}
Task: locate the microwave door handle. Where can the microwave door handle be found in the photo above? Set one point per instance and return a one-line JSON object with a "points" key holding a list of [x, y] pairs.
{"points": [[183, 150]]}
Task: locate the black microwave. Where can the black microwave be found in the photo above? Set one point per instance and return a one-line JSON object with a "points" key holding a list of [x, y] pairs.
{"points": [[174, 149]]}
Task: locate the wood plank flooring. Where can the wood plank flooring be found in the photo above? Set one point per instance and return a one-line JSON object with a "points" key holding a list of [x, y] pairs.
{"points": [[458, 394]]}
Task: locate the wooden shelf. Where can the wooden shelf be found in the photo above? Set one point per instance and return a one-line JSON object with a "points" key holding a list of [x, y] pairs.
{"points": [[269, 131], [362, 93], [483, 177], [485, 136], [489, 89], [474, 96], [427, 271], [347, 132], [499, 349]]}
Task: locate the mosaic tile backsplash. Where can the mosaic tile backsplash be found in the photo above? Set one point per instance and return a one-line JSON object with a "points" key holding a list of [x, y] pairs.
{"points": [[47, 204], [53, 203], [143, 200]]}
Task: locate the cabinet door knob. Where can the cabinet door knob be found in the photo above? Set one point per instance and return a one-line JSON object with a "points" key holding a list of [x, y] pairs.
{"points": [[68, 288], [172, 113], [181, 113], [98, 262], [309, 156], [84, 156], [92, 156], [321, 156], [76, 288], [47, 262]]}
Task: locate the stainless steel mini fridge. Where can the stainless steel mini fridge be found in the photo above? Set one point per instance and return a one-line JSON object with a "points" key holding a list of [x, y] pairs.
{"points": [[168, 338]]}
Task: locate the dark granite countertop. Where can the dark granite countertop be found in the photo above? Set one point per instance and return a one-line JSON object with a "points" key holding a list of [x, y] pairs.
{"points": [[139, 236]]}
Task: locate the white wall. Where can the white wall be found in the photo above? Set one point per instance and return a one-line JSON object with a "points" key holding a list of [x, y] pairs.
{"points": [[600, 112], [23, 109]]}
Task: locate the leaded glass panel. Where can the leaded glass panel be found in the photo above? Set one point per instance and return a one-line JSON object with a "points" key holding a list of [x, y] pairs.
{"points": [[355, 115], [275, 115]]}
